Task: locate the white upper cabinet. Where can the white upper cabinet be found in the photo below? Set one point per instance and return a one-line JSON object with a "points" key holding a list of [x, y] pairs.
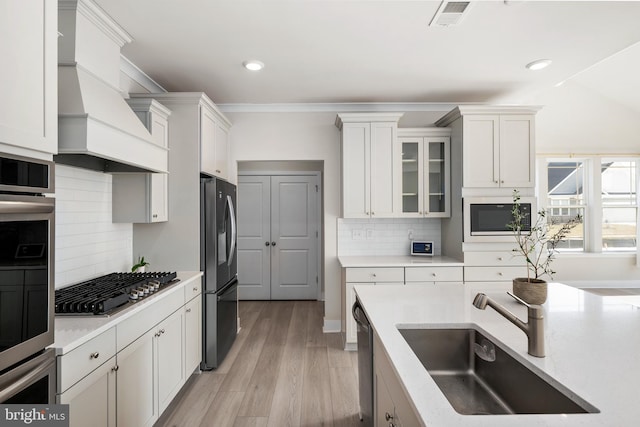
{"points": [[144, 197], [498, 145], [422, 172], [367, 144], [214, 141], [29, 82]]}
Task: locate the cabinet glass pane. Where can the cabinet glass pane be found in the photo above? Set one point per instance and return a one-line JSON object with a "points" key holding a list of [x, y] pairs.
{"points": [[410, 179], [436, 177]]}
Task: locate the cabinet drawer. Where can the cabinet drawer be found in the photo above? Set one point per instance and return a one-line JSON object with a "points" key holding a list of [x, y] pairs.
{"points": [[433, 274], [497, 258], [192, 289], [133, 327], [81, 361], [376, 274], [492, 274]]}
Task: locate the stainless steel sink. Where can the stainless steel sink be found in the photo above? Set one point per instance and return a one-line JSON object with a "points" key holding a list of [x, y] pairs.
{"points": [[478, 377]]}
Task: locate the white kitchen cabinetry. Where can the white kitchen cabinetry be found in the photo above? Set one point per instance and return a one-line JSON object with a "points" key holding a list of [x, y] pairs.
{"points": [[493, 266], [367, 146], [29, 83], [498, 145], [128, 375], [432, 275], [363, 276], [213, 143], [422, 180], [92, 401], [143, 197], [391, 405]]}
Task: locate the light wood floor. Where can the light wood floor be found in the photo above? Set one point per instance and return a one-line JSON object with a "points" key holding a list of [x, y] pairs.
{"points": [[281, 371]]}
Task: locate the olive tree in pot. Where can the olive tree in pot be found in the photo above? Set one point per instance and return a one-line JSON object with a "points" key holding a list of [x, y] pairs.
{"points": [[538, 246]]}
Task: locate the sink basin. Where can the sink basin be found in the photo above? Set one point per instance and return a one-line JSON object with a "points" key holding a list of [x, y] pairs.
{"points": [[478, 377]]}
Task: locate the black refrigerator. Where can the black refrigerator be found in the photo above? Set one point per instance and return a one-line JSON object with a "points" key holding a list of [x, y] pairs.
{"points": [[218, 261]]}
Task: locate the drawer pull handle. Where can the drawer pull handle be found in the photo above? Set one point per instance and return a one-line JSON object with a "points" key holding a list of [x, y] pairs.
{"points": [[94, 355]]}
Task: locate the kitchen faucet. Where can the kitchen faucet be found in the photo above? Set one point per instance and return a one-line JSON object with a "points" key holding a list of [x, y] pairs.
{"points": [[534, 328]]}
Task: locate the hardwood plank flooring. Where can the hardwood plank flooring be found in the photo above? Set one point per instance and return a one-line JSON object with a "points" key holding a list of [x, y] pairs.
{"points": [[281, 371]]}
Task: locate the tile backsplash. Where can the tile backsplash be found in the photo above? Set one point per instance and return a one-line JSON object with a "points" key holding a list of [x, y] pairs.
{"points": [[87, 243], [385, 236]]}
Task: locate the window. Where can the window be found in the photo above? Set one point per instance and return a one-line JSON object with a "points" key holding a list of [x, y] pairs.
{"points": [[619, 205], [566, 199], [603, 191]]}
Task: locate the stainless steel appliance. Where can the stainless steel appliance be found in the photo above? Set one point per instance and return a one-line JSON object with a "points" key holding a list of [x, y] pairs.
{"points": [[26, 276], [365, 363], [109, 294], [219, 264], [487, 218]]}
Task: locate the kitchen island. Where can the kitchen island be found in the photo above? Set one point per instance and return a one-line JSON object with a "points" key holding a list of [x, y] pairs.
{"points": [[592, 348]]}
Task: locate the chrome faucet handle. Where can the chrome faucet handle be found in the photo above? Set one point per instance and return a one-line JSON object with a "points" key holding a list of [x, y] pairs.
{"points": [[534, 310]]}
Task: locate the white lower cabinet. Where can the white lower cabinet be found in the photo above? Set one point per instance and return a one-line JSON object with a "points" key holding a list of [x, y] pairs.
{"points": [[192, 335], [92, 401], [135, 394], [129, 374], [391, 406]]}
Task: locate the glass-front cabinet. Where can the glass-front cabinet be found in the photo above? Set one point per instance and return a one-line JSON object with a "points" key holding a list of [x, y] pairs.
{"points": [[423, 176]]}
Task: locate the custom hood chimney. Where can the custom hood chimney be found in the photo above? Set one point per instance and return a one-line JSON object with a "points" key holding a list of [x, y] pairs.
{"points": [[96, 127]]}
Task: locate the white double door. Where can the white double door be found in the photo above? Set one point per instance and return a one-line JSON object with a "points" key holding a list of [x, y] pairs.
{"points": [[278, 237]]}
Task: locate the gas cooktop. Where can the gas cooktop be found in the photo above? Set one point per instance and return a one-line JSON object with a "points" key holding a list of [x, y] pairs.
{"points": [[106, 295]]}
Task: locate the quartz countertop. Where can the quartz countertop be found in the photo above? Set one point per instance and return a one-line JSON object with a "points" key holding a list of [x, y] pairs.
{"points": [[592, 348], [398, 261], [73, 331]]}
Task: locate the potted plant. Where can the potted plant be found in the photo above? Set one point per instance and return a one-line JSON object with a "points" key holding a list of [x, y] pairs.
{"points": [[139, 266], [538, 247]]}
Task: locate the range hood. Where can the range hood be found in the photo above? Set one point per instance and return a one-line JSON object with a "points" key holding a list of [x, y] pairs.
{"points": [[96, 127]]}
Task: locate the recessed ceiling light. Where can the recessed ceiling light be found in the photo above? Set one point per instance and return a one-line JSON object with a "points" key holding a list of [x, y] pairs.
{"points": [[539, 64], [253, 65]]}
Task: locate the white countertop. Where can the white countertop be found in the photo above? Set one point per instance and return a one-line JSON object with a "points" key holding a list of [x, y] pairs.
{"points": [[398, 261], [73, 331], [592, 347]]}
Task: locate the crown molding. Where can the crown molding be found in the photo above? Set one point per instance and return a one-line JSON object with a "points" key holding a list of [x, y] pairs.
{"points": [[343, 107], [132, 71]]}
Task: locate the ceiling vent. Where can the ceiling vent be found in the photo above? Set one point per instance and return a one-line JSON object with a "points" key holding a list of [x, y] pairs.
{"points": [[450, 13]]}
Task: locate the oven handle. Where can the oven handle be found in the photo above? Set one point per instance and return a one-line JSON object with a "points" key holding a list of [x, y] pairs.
{"points": [[40, 205], [26, 379]]}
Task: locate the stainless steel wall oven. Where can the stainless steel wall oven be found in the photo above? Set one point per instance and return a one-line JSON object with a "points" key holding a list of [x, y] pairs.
{"points": [[27, 222]]}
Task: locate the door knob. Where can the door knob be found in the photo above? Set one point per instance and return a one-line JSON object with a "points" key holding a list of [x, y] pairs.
{"points": [[273, 243], [267, 243]]}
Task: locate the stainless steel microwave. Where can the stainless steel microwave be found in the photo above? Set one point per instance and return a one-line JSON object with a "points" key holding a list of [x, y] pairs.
{"points": [[487, 219]]}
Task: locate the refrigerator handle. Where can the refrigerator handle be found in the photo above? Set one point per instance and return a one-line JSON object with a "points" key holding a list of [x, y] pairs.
{"points": [[234, 231]]}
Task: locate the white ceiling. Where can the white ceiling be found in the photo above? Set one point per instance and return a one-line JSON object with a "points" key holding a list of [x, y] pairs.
{"points": [[381, 51]]}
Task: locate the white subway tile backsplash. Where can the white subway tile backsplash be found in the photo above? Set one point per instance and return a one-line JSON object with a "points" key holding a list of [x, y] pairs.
{"points": [[88, 243], [388, 236]]}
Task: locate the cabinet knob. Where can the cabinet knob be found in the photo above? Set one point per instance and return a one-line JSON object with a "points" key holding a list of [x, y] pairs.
{"points": [[388, 416], [273, 243], [155, 215], [501, 182], [188, 310], [495, 182], [433, 274], [267, 243], [162, 331], [373, 213], [499, 258], [374, 274], [115, 368], [195, 289], [94, 355], [419, 212], [217, 171], [499, 273]]}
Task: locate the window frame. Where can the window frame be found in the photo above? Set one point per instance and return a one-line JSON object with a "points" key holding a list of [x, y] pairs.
{"points": [[593, 209]]}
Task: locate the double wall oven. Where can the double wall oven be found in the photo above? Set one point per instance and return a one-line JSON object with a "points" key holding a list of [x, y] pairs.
{"points": [[27, 368]]}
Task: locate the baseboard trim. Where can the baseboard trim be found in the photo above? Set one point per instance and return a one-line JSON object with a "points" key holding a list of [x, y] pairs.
{"points": [[331, 326]]}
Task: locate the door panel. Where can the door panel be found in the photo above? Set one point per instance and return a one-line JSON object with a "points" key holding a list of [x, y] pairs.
{"points": [[293, 229], [254, 223], [281, 210]]}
